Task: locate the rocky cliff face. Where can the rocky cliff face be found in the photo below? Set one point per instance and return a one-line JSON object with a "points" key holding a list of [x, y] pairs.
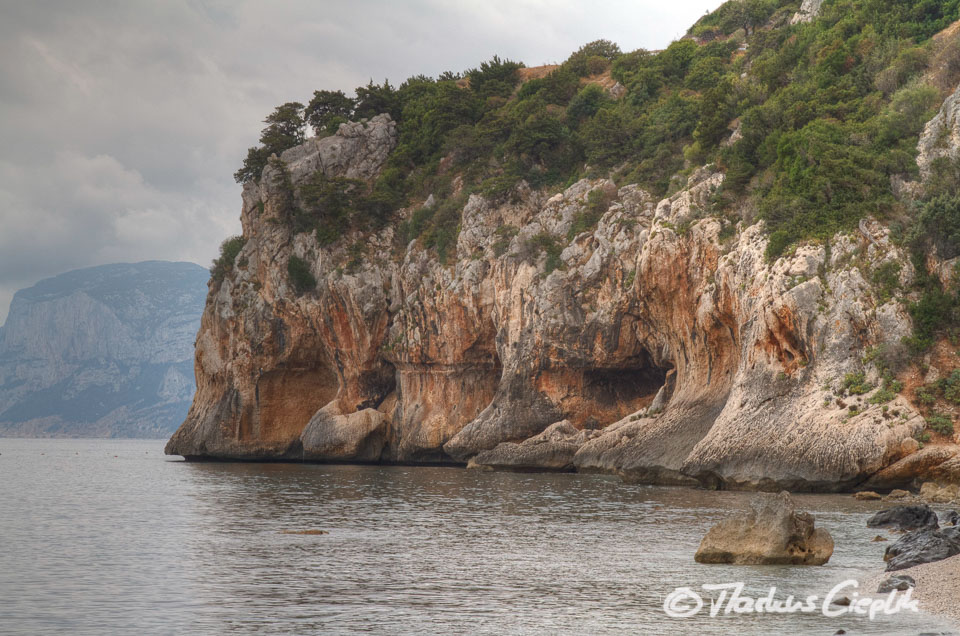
{"points": [[101, 352], [674, 351]]}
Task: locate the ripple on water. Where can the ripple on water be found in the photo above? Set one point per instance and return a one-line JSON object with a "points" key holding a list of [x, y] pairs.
{"points": [[110, 536]]}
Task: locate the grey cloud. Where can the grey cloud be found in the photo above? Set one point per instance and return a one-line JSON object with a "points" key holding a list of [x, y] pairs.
{"points": [[123, 121]]}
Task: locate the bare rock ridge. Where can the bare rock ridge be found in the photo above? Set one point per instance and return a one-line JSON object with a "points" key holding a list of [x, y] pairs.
{"points": [[662, 341], [102, 352]]}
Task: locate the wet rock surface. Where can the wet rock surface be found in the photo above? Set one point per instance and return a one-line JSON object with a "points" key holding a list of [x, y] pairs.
{"points": [[905, 518], [922, 546], [899, 582]]}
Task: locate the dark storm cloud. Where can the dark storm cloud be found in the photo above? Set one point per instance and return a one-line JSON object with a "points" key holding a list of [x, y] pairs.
{"points": [[121, 122]]}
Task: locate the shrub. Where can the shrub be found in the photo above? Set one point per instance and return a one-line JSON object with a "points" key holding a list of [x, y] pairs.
{"points": [[586, 103], [285, 129], [444, 228], [855, 383], [229, 250], [505, 234], [938, 225], [327, 109], [301, 278], [886, 278], [598, 200], [328, 204], [593, 58], [940, 423], [495, 78], [548, 244], [888, 391], [438, 227], [932, 312], [951, 386], [497, 189]]}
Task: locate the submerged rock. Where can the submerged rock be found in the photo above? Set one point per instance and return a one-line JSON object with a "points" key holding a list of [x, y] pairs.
{"points": [[905, 518], [922, 546], [773, 532]]}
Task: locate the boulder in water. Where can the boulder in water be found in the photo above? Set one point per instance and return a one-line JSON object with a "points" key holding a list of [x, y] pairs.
{"points": [[773, 532], [905, 518]]}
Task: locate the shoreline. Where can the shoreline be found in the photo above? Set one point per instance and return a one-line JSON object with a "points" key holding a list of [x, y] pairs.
{"points": [[937, 590]]}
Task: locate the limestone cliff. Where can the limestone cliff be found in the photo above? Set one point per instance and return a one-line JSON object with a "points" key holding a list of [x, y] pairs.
{"points": [[674, 351], [101, 352]]}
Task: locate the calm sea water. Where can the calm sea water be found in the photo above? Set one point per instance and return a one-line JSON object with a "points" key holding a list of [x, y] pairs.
{"points": [[104, 537]]}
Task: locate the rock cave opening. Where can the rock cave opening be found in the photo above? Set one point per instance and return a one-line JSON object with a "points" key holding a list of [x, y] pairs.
{"points": [[615, 392]]}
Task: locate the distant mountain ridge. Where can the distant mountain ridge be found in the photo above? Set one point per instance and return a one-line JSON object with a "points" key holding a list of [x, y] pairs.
{"points": [[103, 351]]}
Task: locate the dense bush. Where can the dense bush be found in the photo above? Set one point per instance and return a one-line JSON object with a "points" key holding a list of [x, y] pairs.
{"points": [[828, 112], [285, 129], [438, 226], [327, 110], [301, 278], [938, 226], [328, 204], [547, 244], [495, 78], [229, 250]]}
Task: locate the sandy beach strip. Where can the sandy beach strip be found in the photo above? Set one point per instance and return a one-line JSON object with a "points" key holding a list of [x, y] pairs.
{"points": [[938, 587]]}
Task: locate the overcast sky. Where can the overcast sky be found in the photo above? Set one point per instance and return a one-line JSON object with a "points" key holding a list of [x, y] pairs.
{"points": [[121, 122]]}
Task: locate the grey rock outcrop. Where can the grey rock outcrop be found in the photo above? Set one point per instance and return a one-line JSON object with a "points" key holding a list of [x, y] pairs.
{"points": [[809, 10], [922, 546], [898, 582], [940, 138], [358, 436], [357, 151], [773, 532], [102, 352], [905, 518]]}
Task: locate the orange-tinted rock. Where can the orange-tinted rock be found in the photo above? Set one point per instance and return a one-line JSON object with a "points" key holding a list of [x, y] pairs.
{"points": [[693, 358]]}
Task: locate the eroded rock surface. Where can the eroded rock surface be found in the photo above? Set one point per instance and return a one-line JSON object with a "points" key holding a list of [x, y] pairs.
{"points": [[553, 449], [663, 331], [773, 532]]}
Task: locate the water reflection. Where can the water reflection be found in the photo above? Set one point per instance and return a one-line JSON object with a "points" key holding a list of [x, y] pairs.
{"points": [[135, 543]]}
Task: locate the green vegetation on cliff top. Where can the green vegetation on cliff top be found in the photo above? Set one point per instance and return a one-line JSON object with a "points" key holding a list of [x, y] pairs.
{"points": [[825, 113]]}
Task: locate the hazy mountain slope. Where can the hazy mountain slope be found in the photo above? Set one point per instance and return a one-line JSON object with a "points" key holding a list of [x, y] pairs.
{"points": [[103, 351]]}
